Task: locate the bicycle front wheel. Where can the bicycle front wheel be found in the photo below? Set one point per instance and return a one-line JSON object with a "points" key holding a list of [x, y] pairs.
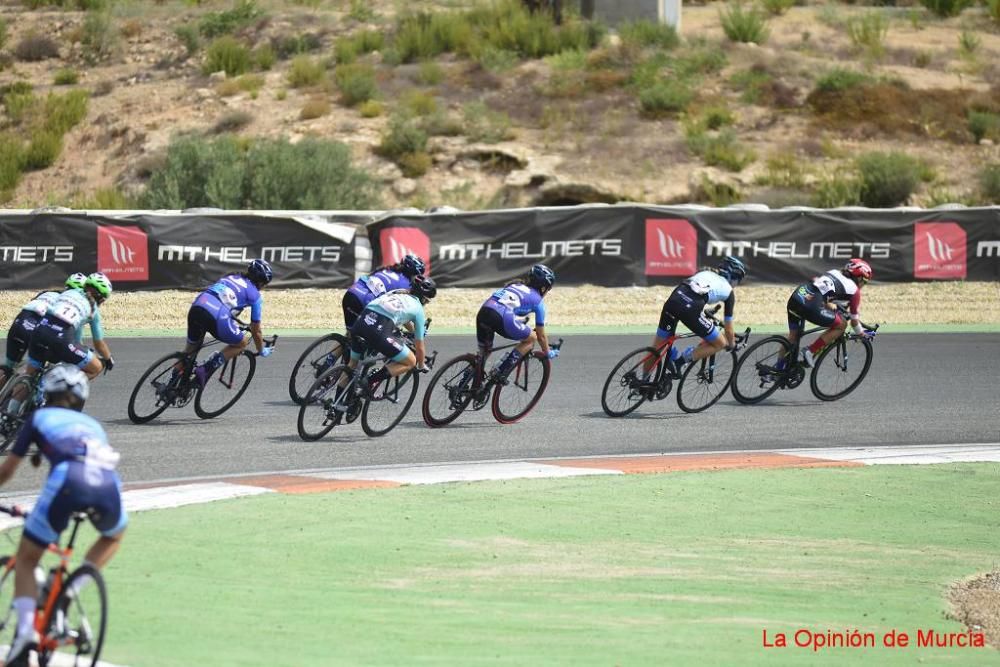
{"points": [[8, 616], [624, 389], [391, 402], [78, 621], [224, 388], [450, 391], [705, 381], [23, 387], [322, 354], [841, 367], [759, 371], [153, 392], [325, 403], [525, 385]]}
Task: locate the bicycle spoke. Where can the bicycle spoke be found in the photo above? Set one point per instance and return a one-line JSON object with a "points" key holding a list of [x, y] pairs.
{"points": [[524, 388], [630, 382], [326, 403], [761, 370], [705, 381], [449, 391], [389, 405], [226, 386], [840, 368]]}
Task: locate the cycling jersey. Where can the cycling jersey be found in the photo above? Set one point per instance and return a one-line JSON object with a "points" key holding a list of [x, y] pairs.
{"points": [[75, 309], [836, 287], [809, 301], [688, 301], [41, 302], [237, 292], [401, 308], [21, 329], [213, 310], [367, 288], [714, 288], [381, 319], [520, 299]]}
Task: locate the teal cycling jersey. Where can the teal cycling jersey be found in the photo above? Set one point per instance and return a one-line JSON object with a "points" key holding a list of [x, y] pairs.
{"points": [[401, 308], [41, 302], [75, 308]]}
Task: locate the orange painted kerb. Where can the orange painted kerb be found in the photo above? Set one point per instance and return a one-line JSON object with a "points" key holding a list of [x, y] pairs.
{"points": [[301, 484], [658, 464]]}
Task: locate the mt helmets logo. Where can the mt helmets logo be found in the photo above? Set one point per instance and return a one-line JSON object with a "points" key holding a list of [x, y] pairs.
{"points": [[398, 242], [939, 250], [123, 253], [671, 248]]}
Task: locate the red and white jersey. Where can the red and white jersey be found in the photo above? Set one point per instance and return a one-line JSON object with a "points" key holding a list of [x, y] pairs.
{"points": [[836, 287]]}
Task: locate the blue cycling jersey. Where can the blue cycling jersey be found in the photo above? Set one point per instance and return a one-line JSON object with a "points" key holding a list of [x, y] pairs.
{"points": [[401, 308], [714, 288], [520, 299], [383, 281], [237, 292], [66, 435]]}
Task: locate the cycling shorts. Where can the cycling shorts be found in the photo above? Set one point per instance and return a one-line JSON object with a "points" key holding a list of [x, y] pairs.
{"points": [[209, 315], [54, 341], [19, 335], [807, 304], [685, 305], [352, 304], [73, 486], [506, 323], [379, 334]]}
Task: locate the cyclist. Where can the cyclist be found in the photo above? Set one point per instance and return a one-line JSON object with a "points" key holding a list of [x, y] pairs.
{"points": [[378, 322], [817, 301], [19, 335], [213, 312], [82, 478], [687, 303], [506, 313], [383, 279]]}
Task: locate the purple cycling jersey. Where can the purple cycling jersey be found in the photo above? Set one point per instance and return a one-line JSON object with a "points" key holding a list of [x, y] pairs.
{"points": [[519, 299], [237, 292], [368, 288]]}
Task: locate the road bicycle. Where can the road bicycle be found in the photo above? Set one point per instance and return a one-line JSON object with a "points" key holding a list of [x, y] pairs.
{"points": [[340, 395], [11, 421], [644, 375], [462, 382], [68, 621], [165, 384], [321, 355], [774, 363]]}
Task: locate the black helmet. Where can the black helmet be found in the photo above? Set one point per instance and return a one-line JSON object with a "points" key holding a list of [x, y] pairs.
{"points": [[541, 276], [423, 288], [411, 265], [733, 269], [260, 272]]}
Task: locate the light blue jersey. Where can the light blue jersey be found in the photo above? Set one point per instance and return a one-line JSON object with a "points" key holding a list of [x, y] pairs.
{"points": [[75, 308], [41, 302], [401, 308], [714, 288]]}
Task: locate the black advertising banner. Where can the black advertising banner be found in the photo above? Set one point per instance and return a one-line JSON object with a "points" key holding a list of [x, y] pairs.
{"points": [[180, 251]]}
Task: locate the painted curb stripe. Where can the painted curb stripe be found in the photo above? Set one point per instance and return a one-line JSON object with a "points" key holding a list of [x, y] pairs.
{"points": [[468, 472], [311, 484], [686, 462]]}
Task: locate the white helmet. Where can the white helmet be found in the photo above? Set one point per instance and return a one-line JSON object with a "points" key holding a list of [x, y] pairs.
{"points": [[63, 378]]}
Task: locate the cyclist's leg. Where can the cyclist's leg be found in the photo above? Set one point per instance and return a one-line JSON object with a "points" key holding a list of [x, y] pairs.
{"points": [[712, 338], [514, 328], [487, 322], [820, 314], [352, 305], [665, 331], [107, 514], [18, 340]]}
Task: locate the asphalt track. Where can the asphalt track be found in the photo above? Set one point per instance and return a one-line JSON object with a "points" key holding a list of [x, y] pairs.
{"points": [[922, 389]]}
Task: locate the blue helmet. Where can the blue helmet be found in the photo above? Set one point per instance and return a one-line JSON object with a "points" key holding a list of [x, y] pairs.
{"points": [[411, 265], [260, 272], [423, 288], [541, 276], [733, 269]]}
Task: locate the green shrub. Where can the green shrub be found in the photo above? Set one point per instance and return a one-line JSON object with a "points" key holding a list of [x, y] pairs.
{"points": [[643, 33], [42, 151], [430, 73], [65, 77], [777, 7], [64, 112], [946, 8], [752, 83], [484, 124], [347, 49], [867, 33], [356, 83], [414, 165], [228, 55], [34, 47], [887, 179], [403, 136], [19, 105], [839, 79], [783, 170], [188, 36], [216, 24], [290, 46], [744, 25], [838, 190], [665, 96], [419, 103], [442, 123], [497, 60], [720, 149], [104, 199], [11, 160], [305, 71], [993, 9], [989, 183], [264, 57], [424, 36], [101, 40], [199, 174], [370, 109], [969, 44], [3, 33], [361, 11], [984, 125], [697, 59]]}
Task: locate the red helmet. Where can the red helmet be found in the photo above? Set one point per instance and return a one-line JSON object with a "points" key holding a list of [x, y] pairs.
{"points": [[858, 268]]}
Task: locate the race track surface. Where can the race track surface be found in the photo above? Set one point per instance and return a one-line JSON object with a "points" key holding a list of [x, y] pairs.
{"points": [[922, 389]]}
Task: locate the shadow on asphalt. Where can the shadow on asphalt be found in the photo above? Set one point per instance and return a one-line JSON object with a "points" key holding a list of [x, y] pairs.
{"points": [[327, 439], [452, 426], [125, 421], [634, 415]]}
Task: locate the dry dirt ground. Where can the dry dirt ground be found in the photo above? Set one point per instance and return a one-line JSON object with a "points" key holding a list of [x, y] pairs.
{"points": [[596, 146], [976, 603], [933, 303]]}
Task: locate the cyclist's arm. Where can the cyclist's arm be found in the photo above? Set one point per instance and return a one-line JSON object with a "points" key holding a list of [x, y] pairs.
{"points": [[727, 319], [854, 308], [256, 313], [543, 339], [418, 351], [102, 349]]}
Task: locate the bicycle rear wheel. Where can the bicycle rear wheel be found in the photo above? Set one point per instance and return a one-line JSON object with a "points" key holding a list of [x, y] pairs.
{"points": [[760, 370], [78, 621], [525, 385], [841, 367], [449, 391], [322, 354], [391, 402], [8, 616], [705, 381], [12, 420], [225, 386], [623, 390], [324, 407], [153, 393]]}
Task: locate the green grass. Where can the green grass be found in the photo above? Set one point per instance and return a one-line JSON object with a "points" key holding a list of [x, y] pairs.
{"points": [[660, 569]]}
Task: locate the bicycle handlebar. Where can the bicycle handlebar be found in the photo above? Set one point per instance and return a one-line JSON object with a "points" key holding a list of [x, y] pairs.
{"points": [[13, 510]]}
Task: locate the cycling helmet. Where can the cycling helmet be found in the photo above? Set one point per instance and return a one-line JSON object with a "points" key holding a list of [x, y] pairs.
{"points": [[411, 265], [66, 379], [76, 281], [858, 269], [423, 288], [260, 272], [732, 268], [100, 283], [541, 276]]}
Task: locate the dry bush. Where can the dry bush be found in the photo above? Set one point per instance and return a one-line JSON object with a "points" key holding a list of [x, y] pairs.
{"points": [[34, 48], [232, 121], [314, 108]]}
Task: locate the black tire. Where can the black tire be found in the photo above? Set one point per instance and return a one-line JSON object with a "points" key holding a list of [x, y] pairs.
{"points": [[525, 385], [620, 395], [8, 616], [756, 376], [15, 419], [226, 386], [449, 391], [705, 381], [391, 402], [86, 615], [841, 367], [316, 418], [151, 385], [312, 363]]}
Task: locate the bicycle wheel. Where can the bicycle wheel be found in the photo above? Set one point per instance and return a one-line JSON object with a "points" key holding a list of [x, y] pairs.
{"points": [[705, 381], [448, 393], [322, 353], [391, 402], [8, 616], [525, 386], [623, 391], [78, 621], [225, 386], [153, 392], [841, 367], [13, 419], [759, 371], [323, 407]]}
